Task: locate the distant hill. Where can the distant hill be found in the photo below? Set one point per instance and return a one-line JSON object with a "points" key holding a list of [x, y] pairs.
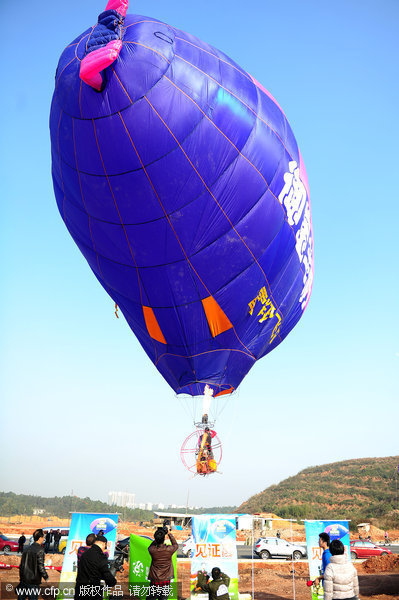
{"points": [[23, 504], [364, 489]]}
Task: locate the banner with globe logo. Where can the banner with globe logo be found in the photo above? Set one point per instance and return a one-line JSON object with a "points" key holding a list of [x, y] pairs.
{"points": [[215, 546], [81, 525], [337, 530]]}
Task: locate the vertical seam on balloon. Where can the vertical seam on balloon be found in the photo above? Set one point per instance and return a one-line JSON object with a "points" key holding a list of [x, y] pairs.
{"points": [[168, 219], [124, 230], [224, 135], [247, 159], [77, 45], [217, 58], [80, 99], [239, 99], [67, 65], [143, 168], [216, 201], [184, 337], [62, 179], [121, 84], [89, 36], [83, 200], [235, 147]]}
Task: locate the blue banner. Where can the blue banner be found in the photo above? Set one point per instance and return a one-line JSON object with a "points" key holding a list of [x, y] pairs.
{"points": [[81, 525], [215, 539], [337, 530]]}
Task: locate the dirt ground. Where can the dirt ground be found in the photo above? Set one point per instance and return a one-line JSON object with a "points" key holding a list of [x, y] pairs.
{"points": [[378, 578], [20, 523]]}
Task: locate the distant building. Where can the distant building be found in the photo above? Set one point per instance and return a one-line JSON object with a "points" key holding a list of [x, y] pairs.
{"points": [[244, 521], [177, 520], [124, 499], [38, 511], [148, 506]]}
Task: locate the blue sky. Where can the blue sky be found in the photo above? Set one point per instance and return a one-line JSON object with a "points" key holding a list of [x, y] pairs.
{"points": [[74, 378]]}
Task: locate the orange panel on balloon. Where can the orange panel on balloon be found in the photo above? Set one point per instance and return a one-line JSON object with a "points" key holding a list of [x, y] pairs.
{"points": [[217, 320], [152, 325]]}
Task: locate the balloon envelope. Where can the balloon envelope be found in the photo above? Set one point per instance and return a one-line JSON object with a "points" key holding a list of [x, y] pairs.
{"points": [[183, 186]]}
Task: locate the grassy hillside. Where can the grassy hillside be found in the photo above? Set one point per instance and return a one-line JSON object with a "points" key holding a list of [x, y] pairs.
{"points": [[364, 489]]}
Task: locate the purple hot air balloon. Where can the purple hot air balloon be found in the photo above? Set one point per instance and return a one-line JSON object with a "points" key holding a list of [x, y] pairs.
{"points": [[180, 180]]}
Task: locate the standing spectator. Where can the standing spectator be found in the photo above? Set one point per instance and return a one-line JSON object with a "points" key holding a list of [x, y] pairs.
{"points": [[278, 534], [340, 577], [324, 543], [57, 537], [31, 568], [47, 541], [386, 538], [161, 570], [92, 569], [90, 539], [218, 588], [21, 542]]}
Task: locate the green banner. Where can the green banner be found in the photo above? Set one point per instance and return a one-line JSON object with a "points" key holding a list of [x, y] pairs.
{"points": [[139, 567]]}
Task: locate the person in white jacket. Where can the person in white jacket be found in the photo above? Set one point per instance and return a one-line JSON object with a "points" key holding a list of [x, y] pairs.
{"points": [[340, 577]]}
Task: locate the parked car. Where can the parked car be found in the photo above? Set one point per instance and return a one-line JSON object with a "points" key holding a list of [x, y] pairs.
{"points": [[122, 546], [363, 549], [275, 547], [7, 545], [188, 547]]}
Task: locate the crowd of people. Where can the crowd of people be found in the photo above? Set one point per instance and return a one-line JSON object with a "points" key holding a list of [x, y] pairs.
{"points": [[337, 573], [52, 537], [93, 569]]}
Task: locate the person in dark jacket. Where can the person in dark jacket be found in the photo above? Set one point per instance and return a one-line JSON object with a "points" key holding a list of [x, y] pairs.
{"points": [[90, 539], [31, 568], [161, 569], [218, 588], [92, 569], [47, 540], [57, 536], [21, 542]]}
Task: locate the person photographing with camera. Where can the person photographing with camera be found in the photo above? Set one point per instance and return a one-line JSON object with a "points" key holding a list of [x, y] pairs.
{"points": [[161, 569]]}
